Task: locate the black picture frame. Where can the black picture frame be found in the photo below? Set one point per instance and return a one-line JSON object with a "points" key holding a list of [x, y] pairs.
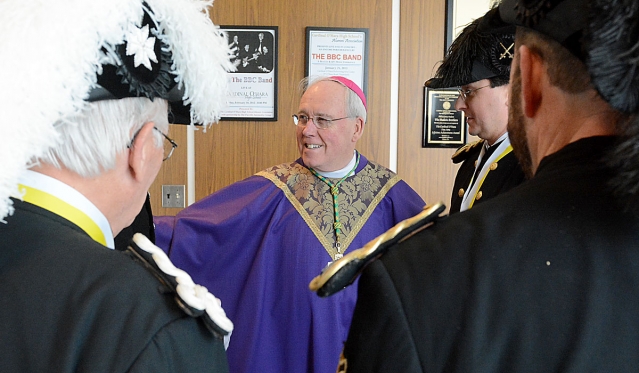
{"points": [[449, 21], [464, 12], [443, 125], [253, 86], [349, 46]]}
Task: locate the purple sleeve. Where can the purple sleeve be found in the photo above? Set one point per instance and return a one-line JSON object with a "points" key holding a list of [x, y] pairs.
{"points": [[163, 231], [406, 202]]}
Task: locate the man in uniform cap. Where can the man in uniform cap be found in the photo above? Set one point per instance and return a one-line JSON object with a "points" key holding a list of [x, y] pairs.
{"points": [[257, 242], [478, 62], [87, 90], [544, 278]]}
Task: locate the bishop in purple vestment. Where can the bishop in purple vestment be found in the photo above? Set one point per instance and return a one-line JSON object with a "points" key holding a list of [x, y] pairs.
{"points": [[259, 242]]}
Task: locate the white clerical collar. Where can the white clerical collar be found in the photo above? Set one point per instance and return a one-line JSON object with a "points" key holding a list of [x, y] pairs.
{"points": [[66, 194], [341, 172]]}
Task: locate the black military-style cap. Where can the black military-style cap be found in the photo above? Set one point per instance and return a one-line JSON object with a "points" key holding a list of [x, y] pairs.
{"points": [[482, 50], [562, 20], [604, 34]]}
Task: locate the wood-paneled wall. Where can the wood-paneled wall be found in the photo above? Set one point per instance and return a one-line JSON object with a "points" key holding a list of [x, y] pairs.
{"points": [[232, 150], [428, 170]]}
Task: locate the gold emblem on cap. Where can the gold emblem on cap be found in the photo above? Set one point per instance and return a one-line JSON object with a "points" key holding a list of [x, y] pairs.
{"points": [[478, 197], [461, 192], [507, 53], [493, 166]]}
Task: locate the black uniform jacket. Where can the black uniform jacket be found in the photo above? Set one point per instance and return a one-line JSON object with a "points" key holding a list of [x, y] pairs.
{"points": [[503, 176], [68, 304], [544, 278]]}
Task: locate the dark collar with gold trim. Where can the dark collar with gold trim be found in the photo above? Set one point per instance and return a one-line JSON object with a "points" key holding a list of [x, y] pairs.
{"points": [[466, 151]]}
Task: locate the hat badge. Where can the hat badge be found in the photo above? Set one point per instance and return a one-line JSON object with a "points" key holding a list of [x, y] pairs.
{"points": [[506, 53], [140, 45]]}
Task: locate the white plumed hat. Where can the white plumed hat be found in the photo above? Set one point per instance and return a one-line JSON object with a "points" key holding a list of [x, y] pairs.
{"points": [[57, 55]]}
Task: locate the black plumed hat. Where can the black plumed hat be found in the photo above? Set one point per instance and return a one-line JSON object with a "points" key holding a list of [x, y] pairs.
{"points": [[61, 54], [483, 50]]}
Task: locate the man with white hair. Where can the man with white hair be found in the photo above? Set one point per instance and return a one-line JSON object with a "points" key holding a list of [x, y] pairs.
{"points": [[87, 96], [257, 243]]}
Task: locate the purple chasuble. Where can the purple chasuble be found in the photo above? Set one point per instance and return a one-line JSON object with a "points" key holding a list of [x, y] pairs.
{"points": [[257, 244]]}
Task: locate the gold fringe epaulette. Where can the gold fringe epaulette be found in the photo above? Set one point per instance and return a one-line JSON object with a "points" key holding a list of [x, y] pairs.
{"points": [[464, 151]]}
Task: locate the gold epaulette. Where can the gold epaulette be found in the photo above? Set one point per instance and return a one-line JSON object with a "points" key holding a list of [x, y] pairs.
{"points": [[344, 271], [464, 151]]}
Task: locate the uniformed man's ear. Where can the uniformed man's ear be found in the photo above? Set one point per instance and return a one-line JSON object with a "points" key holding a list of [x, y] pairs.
{"points": [[359, 129], [142, 151], [532, 68]]}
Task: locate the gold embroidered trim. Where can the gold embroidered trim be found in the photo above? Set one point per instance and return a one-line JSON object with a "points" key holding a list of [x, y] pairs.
{"points": [[359, 195], [369, 211], [298, 206]]}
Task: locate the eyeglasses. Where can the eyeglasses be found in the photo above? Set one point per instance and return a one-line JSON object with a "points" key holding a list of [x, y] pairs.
{"points": [[320, 122], [169, 144], [465, 93]]}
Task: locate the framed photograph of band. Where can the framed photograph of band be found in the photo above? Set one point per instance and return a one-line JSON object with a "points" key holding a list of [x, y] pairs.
{"points": [[338, 51], [253, 86], [444, 126]]}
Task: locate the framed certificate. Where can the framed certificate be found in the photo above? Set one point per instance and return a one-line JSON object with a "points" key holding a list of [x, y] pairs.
{"points": [[338, 51]]}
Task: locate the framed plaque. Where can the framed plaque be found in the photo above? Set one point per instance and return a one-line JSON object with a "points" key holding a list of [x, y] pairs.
{"points": [[338, 51], [444, 127], [253, 86]]}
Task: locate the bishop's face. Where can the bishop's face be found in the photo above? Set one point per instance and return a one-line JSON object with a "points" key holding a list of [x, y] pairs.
{"points": [[327, 149]]}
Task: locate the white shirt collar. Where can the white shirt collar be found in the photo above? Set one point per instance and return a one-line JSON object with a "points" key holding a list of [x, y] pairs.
{"points": [[341, 172], [71, 196], [499, 140]]}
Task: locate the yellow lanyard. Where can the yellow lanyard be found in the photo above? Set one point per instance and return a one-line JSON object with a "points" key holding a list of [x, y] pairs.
{"points": [[481, 182], [59, 207]]}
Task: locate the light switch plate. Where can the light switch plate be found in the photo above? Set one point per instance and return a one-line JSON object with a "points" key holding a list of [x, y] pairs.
{"points": [[173, 196]]}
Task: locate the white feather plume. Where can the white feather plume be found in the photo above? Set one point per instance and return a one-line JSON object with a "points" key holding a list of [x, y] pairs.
{"points": [[50, 53]]}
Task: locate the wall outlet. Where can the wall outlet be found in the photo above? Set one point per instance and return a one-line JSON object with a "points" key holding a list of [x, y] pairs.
{"points": [[173, 196]]}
